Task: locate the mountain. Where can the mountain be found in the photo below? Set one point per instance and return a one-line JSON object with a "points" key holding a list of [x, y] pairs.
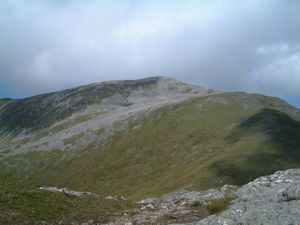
{"points": [[137, 139]]}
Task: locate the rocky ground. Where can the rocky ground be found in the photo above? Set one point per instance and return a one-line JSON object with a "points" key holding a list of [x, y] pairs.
{"points": [[178, 207], [268, 200]]}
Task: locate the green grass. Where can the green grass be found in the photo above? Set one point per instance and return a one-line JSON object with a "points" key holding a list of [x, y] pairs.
{"points": [[196, 204], [279, 150], [34, 206], [218, 205]]}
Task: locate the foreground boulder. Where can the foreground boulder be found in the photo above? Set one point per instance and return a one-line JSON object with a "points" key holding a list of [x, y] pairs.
{"points": [[268, 200]]}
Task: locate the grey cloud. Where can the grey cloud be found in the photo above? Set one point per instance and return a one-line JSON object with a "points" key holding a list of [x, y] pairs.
{"points": [[228, 45]]}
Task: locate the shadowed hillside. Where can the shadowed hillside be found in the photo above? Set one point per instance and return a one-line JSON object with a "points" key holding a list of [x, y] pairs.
{"points": [[281, 151]]}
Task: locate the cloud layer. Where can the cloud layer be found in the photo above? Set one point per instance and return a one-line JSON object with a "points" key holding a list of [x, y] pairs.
{"points": [[245, 45]]}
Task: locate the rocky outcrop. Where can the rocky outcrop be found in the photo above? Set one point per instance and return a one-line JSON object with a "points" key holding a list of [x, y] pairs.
{"points": [[202, 196], [268, 200], [66, 191]]}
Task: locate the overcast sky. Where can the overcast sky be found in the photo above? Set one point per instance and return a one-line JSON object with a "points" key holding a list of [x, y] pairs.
{"points": [[228, 45]]}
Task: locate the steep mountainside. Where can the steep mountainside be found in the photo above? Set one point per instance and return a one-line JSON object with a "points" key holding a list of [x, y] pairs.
{"points": [[142, 139], [88, 114]]}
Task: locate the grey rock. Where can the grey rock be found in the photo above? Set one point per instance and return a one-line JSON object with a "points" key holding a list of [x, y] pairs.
{"points": [[149, 201], [111, 198], [147, 207], [192, 196], [268, 200], [129, 223], [66, 191]]}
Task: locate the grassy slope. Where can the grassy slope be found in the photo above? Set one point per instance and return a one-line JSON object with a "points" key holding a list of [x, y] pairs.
{"points": [[203, 143], [20, 206]]}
